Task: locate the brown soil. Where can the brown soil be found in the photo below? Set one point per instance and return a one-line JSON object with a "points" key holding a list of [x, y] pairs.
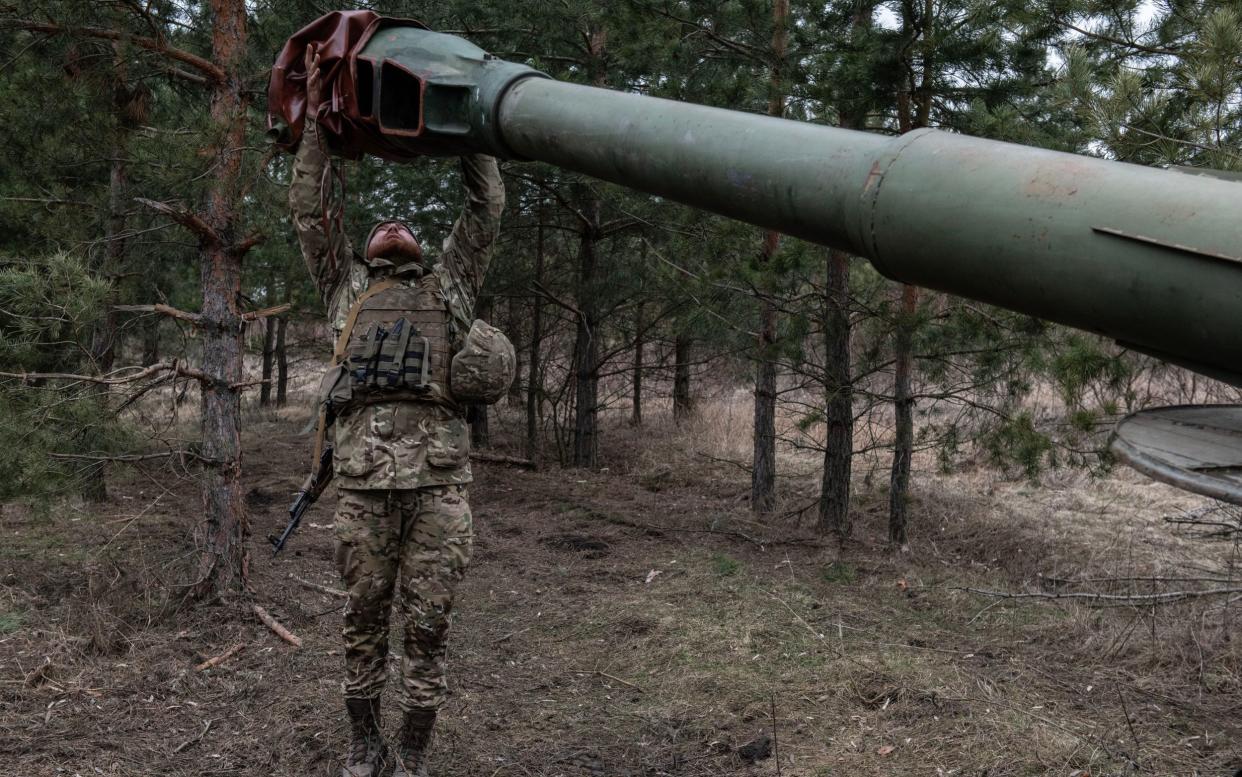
{"points": [[637, 622]]}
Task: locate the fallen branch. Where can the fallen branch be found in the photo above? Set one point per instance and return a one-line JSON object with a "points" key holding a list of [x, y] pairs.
{"points": [[193, 740], [220, 659], [323, 589], [129, 457], [498, 458], [615, 679], [276, 628], [1163, 597]]}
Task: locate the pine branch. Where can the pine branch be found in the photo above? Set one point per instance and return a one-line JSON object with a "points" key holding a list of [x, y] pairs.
{"points": [[211, 72]]}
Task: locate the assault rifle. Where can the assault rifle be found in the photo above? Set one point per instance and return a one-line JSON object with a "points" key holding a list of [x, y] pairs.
{"points": [[315, 483]]}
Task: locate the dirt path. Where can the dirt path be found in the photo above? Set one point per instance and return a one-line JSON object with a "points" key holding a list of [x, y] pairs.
{"points": [[633, 622]]}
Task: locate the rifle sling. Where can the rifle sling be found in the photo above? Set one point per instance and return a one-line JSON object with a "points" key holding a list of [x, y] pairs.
{"points": [[338, 356]]}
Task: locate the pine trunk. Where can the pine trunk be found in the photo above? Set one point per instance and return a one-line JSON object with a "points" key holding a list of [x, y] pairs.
{"points": [[763, 475], [480, 434], [683, 401], [910, 117], [834, 495], [269, 354], [282, 362], [903, 444], [224, 528], [763, 472], [586, 349]]}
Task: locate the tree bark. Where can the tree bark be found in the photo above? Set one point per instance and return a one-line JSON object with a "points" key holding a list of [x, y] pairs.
{"points": [[683, 400], [763, 473], [834, 495], [224, 529]]}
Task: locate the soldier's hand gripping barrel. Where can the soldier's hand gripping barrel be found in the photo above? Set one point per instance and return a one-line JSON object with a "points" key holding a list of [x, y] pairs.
{"points": [[1152, 258]]}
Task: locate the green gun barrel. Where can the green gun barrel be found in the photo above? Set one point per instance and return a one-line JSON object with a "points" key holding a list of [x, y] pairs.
{"points": [[1149, 257]]}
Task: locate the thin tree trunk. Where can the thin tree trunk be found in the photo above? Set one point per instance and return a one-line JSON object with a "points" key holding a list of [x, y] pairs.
{"points": [[907, 319], [763, 473], [683, 400], [534, 381], [128, 109], [269, 352], [636, 413], [282, 362], [903, 445], [586, 348], [834, 495], [223, 560], [480, 434]]}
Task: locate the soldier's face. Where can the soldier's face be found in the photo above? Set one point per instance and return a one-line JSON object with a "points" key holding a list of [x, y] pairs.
{"points": [[393, 241]]}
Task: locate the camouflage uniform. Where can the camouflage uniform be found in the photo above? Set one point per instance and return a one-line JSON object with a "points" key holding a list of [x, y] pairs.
{"points": [[402, 468]]}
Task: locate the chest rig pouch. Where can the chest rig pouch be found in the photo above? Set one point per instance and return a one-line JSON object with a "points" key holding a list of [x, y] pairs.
{"points": [[398, 346]]}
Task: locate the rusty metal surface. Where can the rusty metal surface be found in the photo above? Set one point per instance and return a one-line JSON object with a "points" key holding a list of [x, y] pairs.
{"points": [[1195, 447]]}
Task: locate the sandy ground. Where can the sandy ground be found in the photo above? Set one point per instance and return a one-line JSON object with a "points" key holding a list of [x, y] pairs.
{"points": [[638, 621]]}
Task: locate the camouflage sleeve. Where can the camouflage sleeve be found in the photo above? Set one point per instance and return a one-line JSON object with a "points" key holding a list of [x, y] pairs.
{"points": [[325, 248], [468, 248]]}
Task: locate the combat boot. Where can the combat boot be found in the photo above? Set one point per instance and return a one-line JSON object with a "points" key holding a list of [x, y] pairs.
{"points": [[414, 744], [365, 757]]}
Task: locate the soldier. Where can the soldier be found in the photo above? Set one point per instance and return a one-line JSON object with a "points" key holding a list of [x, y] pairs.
{"points": [[401, 444]]}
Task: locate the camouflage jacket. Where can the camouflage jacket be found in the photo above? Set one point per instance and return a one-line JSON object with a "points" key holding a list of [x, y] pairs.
{"points": [[407, 444]]}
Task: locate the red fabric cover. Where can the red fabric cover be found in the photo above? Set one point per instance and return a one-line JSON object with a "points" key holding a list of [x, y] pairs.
{"points": [[340, 35]]}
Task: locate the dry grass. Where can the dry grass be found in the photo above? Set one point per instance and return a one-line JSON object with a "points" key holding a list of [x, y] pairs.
{"points": [[639, 621]]}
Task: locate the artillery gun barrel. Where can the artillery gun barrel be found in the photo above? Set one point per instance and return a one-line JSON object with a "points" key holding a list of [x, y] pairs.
{"points": [[1149, 257]]}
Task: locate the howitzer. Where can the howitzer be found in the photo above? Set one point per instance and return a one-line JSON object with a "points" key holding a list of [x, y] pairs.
{"points": [[1149, 257], [307, 495]]}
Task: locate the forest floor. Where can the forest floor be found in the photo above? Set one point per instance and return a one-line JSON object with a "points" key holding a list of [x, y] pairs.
{"points": [[638, 621]]}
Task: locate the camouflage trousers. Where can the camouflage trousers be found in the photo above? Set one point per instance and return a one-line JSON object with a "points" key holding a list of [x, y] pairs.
{"points": [[418, 541]]}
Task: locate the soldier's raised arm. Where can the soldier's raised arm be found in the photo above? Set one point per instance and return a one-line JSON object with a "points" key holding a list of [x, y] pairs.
{"points": [[468, 248], [325, 248]]}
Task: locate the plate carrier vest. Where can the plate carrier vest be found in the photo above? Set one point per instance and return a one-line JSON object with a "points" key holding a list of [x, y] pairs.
{"points": [[396, 343]]}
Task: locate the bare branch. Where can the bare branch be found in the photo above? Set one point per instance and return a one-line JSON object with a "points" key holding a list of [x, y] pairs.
{"points": [[161, 308], [255, 315], [186, 218]]}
